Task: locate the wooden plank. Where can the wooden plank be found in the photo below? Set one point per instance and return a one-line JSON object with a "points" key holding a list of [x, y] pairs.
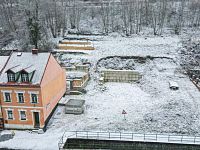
{"points": [[76, 48], [74, 42]]}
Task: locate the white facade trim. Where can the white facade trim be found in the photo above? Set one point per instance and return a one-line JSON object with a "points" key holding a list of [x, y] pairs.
{"points": [[33, 92], [35, 110], [6, 91], [4, 97], [21, 107], [18, 126], [18, 97], [19, 110], [37, 93], [9, 109], [18, 91]]}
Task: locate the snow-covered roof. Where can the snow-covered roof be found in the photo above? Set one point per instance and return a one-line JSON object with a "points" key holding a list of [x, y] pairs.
{"points": [[173, 84], [75, 102], [75, 74], [30, 69], [3, 60], [15, 69], [28, 62]]}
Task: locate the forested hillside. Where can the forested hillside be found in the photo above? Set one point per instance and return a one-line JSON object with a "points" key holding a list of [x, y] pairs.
{"points": [[34, 22]]}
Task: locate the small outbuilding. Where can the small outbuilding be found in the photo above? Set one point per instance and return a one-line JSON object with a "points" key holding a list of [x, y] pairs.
{"points": [[74, 106], [76, 80], [173, 85]]}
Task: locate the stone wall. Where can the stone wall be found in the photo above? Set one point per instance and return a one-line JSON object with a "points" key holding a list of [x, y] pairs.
{"points": [[120, 75]]}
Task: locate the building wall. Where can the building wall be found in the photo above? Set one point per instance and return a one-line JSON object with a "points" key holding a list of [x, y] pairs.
{"points": [[51, 89], [16, 123], [26, 90], [53, 86], [16, 107]]}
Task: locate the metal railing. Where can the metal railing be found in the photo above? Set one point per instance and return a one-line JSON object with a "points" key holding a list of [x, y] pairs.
{"points": [[123, 136]]}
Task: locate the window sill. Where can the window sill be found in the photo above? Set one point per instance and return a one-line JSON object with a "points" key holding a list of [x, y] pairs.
{"points": [[7, 102], [24, 120], [34, 103]]}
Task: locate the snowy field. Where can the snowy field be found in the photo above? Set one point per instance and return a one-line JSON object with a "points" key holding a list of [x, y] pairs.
{"points": [[150, 105]]}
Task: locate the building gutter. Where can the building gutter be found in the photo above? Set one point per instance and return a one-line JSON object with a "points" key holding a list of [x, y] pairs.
{"points": [[20, 86]]}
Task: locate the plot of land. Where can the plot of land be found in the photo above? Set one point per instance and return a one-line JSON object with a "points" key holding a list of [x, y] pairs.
{"points": [[150, 105]]}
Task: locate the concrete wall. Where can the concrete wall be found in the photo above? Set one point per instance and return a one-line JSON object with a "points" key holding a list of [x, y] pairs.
{"points": [[125, 145], [120, 75]]}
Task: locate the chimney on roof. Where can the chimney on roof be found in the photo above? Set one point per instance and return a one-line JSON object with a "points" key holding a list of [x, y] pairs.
{"points": [[34, 51]]}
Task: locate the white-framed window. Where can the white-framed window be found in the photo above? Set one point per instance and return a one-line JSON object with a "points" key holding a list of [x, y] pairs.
{"points": [[11, 77], [20, 97], [7, 97], [10, 115], [24, 77], [34, 98], [22, 114]]}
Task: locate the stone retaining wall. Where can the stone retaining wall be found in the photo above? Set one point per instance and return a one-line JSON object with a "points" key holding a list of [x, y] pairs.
{"points": [[120, 75]]}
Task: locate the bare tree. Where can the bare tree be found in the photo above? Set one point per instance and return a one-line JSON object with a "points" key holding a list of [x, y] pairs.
{"points": [[158, 16], [105, 16], [33, 23], [7, 10]]}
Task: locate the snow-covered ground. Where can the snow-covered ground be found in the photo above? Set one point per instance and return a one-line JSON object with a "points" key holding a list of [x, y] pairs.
{"points": [[143, 46], [150, 105]]}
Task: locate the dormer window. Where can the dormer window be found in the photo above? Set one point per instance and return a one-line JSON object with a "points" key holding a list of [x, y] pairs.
{"points": [[25, 77], [13, 73], [19, 74], [11, 77]]}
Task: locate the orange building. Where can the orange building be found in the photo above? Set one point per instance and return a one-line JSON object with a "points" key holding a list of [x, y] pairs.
{"points": [[3, 61], [31, 84]]}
